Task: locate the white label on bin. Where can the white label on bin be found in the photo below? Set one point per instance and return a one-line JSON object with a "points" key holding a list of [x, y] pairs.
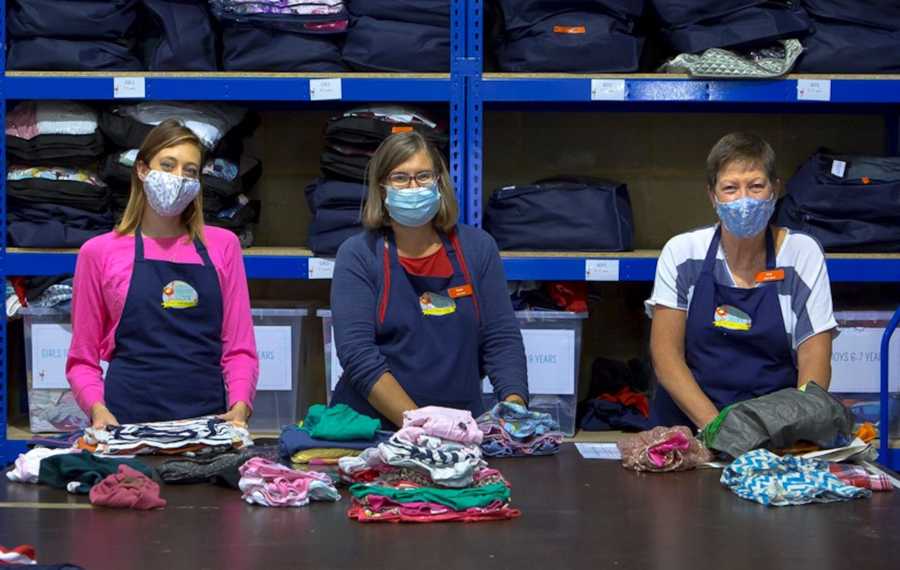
{"points": [[856, 361], [838, 168], [607, 89], [320, 268], [129, 88], [49, 351], [813, 90], [324, 89], [601, 270], [273, 345], [550, 355]]}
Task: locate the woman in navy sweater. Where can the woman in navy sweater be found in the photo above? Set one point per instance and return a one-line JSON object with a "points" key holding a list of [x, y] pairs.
{"points": [[420, 306]]}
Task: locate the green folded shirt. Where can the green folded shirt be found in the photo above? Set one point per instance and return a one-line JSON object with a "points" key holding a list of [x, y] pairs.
{"points": [[339, 423], [83, 468], [456, 499]]}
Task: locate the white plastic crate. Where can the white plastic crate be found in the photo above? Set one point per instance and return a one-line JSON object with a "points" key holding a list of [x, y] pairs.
{"points": [[552, 346], [280, 398]]}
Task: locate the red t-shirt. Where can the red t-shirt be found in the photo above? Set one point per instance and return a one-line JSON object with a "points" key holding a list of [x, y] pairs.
{"points": [[435, 265]]}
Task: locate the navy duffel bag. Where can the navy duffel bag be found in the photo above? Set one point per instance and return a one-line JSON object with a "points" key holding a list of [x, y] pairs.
{"points": [[427, 12], [522, 14], [562, 214], [335, 194], [65, 55], [392, 46], [848, 203], [677, 13], [574, 42], [181, 36], [251, 48], [760, 24], [72, 19]]}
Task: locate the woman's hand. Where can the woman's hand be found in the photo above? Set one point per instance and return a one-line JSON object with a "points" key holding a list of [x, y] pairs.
{"points": [[237, 415], [102, 417]]}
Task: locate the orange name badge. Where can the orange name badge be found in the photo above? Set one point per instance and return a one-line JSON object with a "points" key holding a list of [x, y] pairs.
{"points": [[569, 30], [461, 291], [770, 276], [401, 129]]}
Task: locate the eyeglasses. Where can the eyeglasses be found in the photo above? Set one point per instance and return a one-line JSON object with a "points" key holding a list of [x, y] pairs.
{"points": [[404, 180]]}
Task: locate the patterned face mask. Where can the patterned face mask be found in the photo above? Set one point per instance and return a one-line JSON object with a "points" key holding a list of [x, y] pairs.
{"points": [[169, 194], [745, 217]]}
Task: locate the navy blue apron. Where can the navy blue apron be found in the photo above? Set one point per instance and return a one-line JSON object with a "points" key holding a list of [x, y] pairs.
{"points": [[167, 362], [429, 339], [746, 355]]}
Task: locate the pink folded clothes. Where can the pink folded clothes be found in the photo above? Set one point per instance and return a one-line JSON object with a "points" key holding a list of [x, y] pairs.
{"points": [[264, 482], [127, 489], [22, 121], [445, 423], [663, 449], [859, 476], [376, 508]]}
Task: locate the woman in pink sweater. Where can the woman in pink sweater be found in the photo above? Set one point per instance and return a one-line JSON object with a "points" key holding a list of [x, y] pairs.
{"points": [[163, 299]]}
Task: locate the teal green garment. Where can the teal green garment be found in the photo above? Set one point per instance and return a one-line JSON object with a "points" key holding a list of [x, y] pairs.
{"points": [[339, 423], [456, 499], [84, 468]]}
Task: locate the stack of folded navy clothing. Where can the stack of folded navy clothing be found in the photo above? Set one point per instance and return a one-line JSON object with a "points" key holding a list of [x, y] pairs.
{"points": [[227, 175], [89, 35], [177, 35], [54, 196], [351, 138], [398, 35], [275, 35], [616, 398]]}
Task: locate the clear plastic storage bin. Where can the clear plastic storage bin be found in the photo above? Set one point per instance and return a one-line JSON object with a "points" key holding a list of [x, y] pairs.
{"points": [[552, 347], [281, 395]]}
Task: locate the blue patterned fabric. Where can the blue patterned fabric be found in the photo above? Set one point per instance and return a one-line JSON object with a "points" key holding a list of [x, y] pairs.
{"points": [[770, 480]]}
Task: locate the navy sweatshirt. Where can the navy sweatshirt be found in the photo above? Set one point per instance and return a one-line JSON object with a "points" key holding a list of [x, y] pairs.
{"points": [[357, 287]]}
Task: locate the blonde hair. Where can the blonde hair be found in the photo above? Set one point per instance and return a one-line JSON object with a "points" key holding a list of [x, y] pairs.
{"points": [[167, 134], [394, 151]]}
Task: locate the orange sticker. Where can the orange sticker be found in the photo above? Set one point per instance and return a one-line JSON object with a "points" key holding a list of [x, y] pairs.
{"points": [[569, 30], [461, 291], [401, 129], [866, 180], [769, 276]]}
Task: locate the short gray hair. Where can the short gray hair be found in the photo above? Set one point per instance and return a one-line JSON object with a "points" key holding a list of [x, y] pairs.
{"points": [[746, 148]]}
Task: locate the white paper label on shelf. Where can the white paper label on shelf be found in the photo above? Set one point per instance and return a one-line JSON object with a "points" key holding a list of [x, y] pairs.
{"points": [[607, 89], [608, 451], [324, 89], [838, 168], [321, 268], [601, 270], [129, 88], [550, 355], [49, 351], [814, 90], [273, 345]]}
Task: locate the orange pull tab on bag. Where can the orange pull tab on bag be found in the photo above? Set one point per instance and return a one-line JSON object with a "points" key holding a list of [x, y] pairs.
{"points": [[401, 129], [569, 30], [770, 276], [461, 291]]}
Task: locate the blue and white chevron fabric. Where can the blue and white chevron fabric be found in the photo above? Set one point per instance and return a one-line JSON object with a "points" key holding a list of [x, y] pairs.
{"points": [[770, 480]]}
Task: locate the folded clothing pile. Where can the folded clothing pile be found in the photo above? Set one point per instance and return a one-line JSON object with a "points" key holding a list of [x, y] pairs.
{"points": [[274, 35], [219, 468], [511, 430], [663, 449], [327, 434], [76, 35], [227, 175], [767, 479], [264, 482], [197, 436], [351, 138], [431, 470], [55, 197], [624, 410], [70, 469], [398, 35], [859, 476], [569, 36]]}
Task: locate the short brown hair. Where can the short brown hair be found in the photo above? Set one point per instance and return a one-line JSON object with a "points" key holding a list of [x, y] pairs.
{"points": [[394, 151], [746, 148], [167, 134]]}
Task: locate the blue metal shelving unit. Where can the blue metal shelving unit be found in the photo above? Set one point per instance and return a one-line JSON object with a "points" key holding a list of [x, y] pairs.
{"points": [[886, 455]]}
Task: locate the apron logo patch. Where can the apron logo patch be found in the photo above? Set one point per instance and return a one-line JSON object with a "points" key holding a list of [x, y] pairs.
{"points": [[179, 295], [435, 305], [732, 318]]}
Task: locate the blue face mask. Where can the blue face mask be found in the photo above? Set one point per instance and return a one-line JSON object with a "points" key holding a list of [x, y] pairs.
{"points": [[413, 207], [745, 217]]}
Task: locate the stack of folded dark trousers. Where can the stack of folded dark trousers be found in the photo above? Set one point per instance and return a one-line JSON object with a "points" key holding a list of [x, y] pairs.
{"points": [[576, 36], [89, 35], [177, 35], [227, 174], [852, 37], [336, 199], [693, 26], [398, 35], [54, 196], [273, 35]]}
